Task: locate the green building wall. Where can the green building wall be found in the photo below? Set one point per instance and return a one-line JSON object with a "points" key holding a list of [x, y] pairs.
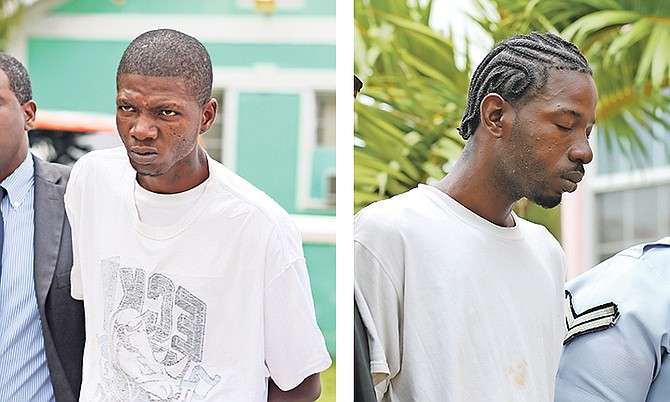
{"points": [[321, 266], [262, 141]]}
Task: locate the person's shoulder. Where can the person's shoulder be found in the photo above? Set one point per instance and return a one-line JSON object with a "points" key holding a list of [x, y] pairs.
{"points": [[544, 244], [536, 231], [620, 277], [101, 157], [391, 211], [652, 252], [103, 160], [51, 171], [636, 281], [245, 193], [646, 262], [107, 154], [393, 220]]}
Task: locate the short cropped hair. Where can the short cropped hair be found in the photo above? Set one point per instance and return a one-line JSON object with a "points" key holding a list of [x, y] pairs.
{"points": [[517, 69], [170, 53], [19, 80]]}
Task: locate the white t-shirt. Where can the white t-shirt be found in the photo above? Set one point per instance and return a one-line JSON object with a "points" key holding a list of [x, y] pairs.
{"points": [[458, 309], [206, 308]]}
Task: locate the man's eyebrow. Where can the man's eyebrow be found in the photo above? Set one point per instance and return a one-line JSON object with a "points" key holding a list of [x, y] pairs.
{"points": [[565, 110], [166, 105], [572, 112]]}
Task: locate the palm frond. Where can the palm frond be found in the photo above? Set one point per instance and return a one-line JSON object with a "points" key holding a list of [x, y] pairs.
{"points": [[412, 100], [625, 42]]}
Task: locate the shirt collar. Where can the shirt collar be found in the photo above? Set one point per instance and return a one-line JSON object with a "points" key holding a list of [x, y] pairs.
{"points": [[20, 181]]}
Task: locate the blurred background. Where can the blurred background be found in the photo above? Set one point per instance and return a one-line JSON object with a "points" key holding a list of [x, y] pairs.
{"points": [[415, 58], [274, 79]]}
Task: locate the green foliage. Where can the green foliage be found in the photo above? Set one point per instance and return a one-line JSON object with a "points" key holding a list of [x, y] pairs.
{"points": [[412, 101], [11, 13], [415, 91], [625, 42]]}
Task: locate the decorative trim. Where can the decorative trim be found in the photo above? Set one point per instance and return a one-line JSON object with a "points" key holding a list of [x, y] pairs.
{"points": [[207, 28], [595, 319]]}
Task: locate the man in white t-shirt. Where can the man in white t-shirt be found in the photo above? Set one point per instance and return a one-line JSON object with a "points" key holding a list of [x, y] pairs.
{"points": [[194, 282], [461, 298]]}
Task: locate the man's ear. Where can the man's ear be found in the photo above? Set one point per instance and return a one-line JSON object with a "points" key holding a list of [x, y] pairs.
{"points": [[495, 114], [208, 114], [29, 111]]}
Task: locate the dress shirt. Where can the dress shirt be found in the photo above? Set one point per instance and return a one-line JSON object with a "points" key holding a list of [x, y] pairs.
{"points": [[24, 374]]}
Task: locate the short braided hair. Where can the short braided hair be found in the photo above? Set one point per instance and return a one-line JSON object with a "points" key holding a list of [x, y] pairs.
{"points": [[517, 69], [19, 80], [170, 53]]}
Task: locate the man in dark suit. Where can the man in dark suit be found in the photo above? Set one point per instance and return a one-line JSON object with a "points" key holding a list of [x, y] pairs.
{"points": [[42, 336]]}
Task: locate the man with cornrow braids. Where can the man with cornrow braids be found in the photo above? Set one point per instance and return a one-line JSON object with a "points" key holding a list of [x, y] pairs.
{"points": [[464, 299]]}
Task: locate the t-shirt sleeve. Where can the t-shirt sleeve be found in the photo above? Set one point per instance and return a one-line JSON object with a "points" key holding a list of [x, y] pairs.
{"points": [[71, 208], [294, 345], [378, 301]]}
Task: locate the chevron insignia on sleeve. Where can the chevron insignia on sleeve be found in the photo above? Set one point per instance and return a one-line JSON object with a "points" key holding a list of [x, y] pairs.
{"points": [[592, 320]]}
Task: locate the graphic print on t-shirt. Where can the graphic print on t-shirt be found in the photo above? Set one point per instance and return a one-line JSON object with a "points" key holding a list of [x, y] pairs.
{"points": [[153, 340]]}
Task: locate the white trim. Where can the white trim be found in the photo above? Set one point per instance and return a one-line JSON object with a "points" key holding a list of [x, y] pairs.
{"points": [[316, 228], [631, 179], [207, 28], [270, 78]]}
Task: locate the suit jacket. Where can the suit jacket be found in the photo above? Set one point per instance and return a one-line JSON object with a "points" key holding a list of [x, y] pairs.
{"points": [[62, 316]]}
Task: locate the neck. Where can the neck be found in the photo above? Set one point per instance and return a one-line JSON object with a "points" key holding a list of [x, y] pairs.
{"points": [[8, 167], [470, 184]]}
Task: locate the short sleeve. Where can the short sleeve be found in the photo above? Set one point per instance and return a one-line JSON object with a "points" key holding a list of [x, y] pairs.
{"points": [[294, 345], [71, 208], [379, 303], [621, 362], [607, 366]]}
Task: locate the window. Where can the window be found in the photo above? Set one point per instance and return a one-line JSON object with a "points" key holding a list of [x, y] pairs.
{"points": [[317, 189], [631, 194], [631, 216], [325, 125]]}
